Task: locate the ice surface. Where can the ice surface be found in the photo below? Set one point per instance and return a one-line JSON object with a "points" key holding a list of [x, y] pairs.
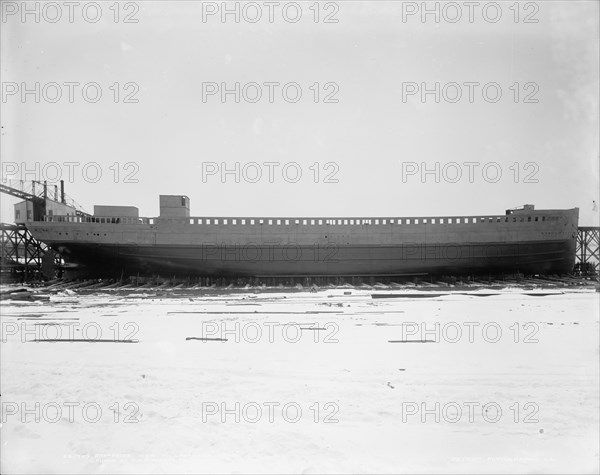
{"points": [[350, 362]]}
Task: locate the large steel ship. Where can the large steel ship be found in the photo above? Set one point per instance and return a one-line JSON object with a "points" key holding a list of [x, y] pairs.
{"points": [[116, 241]]}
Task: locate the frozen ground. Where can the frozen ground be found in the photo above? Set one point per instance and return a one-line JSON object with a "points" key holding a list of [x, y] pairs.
{"points": [[353, 389]]}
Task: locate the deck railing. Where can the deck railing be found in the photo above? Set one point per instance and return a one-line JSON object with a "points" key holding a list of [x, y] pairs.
{"points": [[246, 221]]}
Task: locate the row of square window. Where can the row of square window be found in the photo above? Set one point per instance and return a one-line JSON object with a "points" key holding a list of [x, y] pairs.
{"points": [[313, 222], [359, 222]]}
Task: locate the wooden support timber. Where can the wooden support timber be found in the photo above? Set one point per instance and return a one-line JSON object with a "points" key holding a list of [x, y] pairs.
{"points": [[23, 258], [587, 250]]}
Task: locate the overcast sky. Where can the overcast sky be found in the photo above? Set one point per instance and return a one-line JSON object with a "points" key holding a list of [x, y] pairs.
{"points": [[364, 141]]}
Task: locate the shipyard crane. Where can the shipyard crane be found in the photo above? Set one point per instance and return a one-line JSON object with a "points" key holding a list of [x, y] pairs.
{"points": [[39, 202]]}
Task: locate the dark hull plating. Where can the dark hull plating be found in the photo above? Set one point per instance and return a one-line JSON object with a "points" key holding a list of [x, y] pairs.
{"points": [[553, 257]]}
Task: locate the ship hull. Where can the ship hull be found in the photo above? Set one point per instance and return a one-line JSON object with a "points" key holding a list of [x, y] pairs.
{"points": [[542, 242], [547, 257]]}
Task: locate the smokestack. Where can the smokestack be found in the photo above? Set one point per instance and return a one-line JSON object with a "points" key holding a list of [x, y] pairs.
{"points": [[55, 192], [33, 187], [45, 190], [62, 191]]}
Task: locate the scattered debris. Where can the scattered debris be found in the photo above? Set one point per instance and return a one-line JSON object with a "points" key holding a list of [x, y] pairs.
{"points": [[411, 341], [204, 339], [82, 340]]}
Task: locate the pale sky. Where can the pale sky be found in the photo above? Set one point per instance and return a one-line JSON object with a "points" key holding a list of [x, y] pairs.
{"points": [[370, 134]]}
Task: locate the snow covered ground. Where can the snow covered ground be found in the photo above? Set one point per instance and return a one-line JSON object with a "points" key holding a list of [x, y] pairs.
{"points": [[301, 382]]}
